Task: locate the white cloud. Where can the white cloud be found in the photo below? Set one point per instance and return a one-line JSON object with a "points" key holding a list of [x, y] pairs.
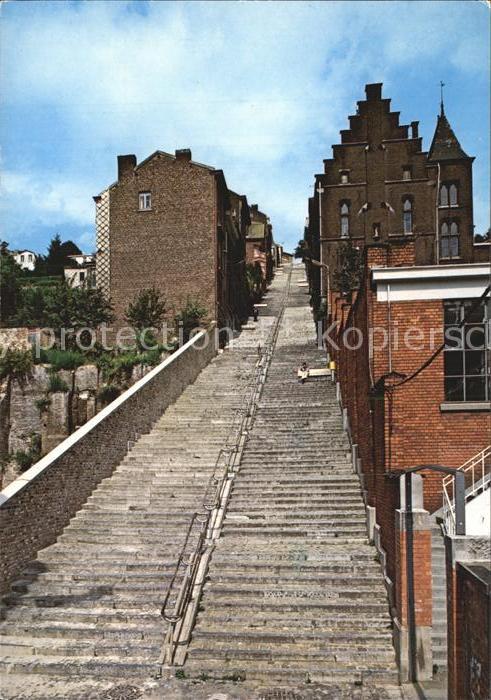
{"points": [[52, 199], [245, 85]]}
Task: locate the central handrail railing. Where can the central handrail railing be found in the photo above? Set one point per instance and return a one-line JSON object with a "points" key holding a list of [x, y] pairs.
{"points": [[185, 579], [477, 472]]}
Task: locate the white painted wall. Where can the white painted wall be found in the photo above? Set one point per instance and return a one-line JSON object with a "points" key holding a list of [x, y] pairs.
{"points": [[477, 515]]}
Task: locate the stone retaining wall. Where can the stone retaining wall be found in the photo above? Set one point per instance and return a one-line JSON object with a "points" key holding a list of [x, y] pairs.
{"points": [[36, 507]]}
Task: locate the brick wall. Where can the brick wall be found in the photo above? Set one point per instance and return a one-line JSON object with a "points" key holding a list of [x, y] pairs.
{"points": [[407, 427], [469, 617], [38, 505], [473, 630], [172, 246]]}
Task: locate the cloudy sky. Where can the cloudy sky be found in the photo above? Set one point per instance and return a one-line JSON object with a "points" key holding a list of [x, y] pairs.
{"points": [[259, 89]]}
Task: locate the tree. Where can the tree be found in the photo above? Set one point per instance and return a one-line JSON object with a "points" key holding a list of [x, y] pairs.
{"points": [[147, 310], [72, 309], [58, 252], [302, 250], [190, 318], [254, 279], [10, 288], [348, 275]]}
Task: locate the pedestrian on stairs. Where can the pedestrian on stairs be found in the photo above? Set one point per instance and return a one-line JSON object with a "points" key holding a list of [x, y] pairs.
{"points": [[303, 372]]}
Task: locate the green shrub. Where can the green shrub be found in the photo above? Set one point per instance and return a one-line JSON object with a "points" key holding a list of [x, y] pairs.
{"points": [[151, 357], [56, 383], [26, 458], [43, 403], [190, 318], [147, 310], [15, 363], [62, 359], [108, 393]]}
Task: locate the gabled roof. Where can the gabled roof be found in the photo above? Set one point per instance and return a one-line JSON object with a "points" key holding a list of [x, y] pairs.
{"points": [[445, 145]]}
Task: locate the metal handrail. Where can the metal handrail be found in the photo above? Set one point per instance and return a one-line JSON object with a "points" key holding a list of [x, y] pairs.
{"points": [[477, 466], [210, 506]]}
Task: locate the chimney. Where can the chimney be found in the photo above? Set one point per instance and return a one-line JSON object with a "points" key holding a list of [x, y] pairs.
{"points": [[183, 154], [254, 208], [414, 129], [373, 91], [126, 164]]}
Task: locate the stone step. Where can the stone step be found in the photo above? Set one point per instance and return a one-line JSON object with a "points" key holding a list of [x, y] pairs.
{"points": [[106, 667]]}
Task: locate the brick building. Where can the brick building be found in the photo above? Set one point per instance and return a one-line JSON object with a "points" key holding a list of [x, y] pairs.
{"points": [[259, 242], [380, 185], [172, 223]]}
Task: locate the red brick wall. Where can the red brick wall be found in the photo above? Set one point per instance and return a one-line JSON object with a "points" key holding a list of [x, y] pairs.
{"points": [[405, 428], [469, 634], [171, 247]]}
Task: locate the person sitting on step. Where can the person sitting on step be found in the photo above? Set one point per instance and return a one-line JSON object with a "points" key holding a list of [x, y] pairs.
{"points": [[303, 372]]}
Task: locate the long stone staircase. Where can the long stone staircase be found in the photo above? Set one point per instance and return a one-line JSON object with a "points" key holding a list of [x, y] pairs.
{"points": [[86, 612], [295, 594]]}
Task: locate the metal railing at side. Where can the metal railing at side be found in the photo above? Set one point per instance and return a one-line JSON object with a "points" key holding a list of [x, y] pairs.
{"points": [[184, 591], [477, 473]]}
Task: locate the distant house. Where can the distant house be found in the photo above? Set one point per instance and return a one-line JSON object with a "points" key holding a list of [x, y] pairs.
{"points": [[259, 241], [26, 259], [81, 271]]}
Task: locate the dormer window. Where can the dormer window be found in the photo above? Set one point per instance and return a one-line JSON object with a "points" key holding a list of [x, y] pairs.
{"points": [[407, 215], [406, 172], [344, 177], [144, 201], [344, 216]]}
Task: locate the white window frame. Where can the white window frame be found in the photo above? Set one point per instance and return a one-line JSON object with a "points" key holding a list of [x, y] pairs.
{"points": [[145, 201]]}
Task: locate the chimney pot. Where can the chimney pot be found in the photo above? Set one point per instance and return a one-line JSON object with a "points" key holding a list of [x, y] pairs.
{"points": [[126, 165], [414, 129], [373, 91], [183, 154]]}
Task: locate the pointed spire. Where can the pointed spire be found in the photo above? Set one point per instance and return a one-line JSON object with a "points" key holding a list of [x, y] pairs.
{"points": [[445, 145], [442, 110]]}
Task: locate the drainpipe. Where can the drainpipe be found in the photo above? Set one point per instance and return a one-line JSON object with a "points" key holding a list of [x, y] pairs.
{"points": [[437, 236]]}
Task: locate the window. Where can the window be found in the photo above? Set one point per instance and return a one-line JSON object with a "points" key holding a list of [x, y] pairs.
{"points": [[449, 240], [444, 196], [406, 172], [344, 211], [82, 276], [22, 258], [344, 177], [407, 215], [467, 366], [453, 195], [449, 194], [144, 201]]}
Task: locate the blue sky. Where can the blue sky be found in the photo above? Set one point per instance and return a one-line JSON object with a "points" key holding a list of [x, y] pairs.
{"points": [[259, 89]]}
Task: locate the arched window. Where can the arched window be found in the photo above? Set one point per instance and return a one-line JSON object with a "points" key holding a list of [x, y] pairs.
{"points": [[453, 195], [344, 212], [449, 240], [407, 215], [444, 196]]}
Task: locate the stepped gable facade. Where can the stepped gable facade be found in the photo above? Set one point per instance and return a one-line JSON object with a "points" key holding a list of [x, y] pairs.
{"points": [[381, 186]]}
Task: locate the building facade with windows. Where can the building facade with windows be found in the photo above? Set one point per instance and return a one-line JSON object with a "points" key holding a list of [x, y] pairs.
{"points": [[380, 186], [167, 223], [26, 259]]}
